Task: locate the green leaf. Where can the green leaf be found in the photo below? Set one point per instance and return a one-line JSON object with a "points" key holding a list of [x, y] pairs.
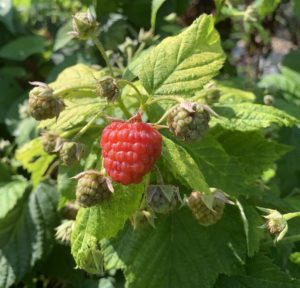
{"points": [[252, 152], [10, 91], [25, 233], [231, 94], [77, 81], [10, 193], [66, 185], [22, 47], [77, 86], [181, 65], [218, 168], [6, 14], [104, 220], [183, 166], [249, 117], [178, 252], [265, 7], [282, 82], [156, 4], [34, 159], [62, 37], [75, 115], [260, 272]]}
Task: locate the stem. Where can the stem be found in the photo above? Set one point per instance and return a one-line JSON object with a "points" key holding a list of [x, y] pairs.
{"points": [[171, 98], [140, 49], [102, 51], [292, 215], [140, 96], [87, 126], [165, 115], [65, 90], [123, 107]]}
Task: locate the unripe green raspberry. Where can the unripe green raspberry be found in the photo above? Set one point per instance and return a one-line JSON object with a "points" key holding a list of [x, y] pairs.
{"points": [[189, 121], [70, 152], [84, 25], [64, 232], [107, 87], [50, 141], [42, 104], [163, 198], [92, 188], [201, 212]]}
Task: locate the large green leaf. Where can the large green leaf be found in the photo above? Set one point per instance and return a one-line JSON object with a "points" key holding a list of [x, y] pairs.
{"points": [[104, 220], [179, 252], [22, 47], [249, 116], [182, 64], [77, 81], [25, 233], [219, 168], [260, 273], [77, 86], [252, 152], [10, 193], [34, 159], [265, 7], [156, 4], [183, 166], [75, 115], [284, 82]]}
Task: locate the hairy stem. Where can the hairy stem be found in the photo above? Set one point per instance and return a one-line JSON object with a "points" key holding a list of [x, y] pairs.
{"points": [[102, 51], [87, 126], [170, 98], [123, 107], [139, 94]]}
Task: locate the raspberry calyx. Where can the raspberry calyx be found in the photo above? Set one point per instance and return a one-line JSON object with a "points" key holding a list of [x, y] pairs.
{"points": [[130, 149], [163, 199]]}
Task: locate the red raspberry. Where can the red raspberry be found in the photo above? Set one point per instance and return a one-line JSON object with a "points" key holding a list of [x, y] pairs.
{"points": [[130, 149]]}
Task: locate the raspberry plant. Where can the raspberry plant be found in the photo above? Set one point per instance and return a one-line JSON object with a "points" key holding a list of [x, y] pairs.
{"points": [[127, 144]]}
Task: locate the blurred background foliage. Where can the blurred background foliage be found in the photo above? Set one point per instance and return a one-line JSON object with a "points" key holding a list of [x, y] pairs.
{"points": [[263, 56]]}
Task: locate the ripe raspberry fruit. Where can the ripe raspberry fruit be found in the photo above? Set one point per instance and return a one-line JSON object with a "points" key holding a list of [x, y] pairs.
{"points": [[201, 212], [163, 198], [92, 188], [42, 104], [189, 121], [130, 149]]}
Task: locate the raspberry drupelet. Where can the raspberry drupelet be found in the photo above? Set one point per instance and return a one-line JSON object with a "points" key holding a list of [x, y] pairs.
{"points": [[130, 149]]}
